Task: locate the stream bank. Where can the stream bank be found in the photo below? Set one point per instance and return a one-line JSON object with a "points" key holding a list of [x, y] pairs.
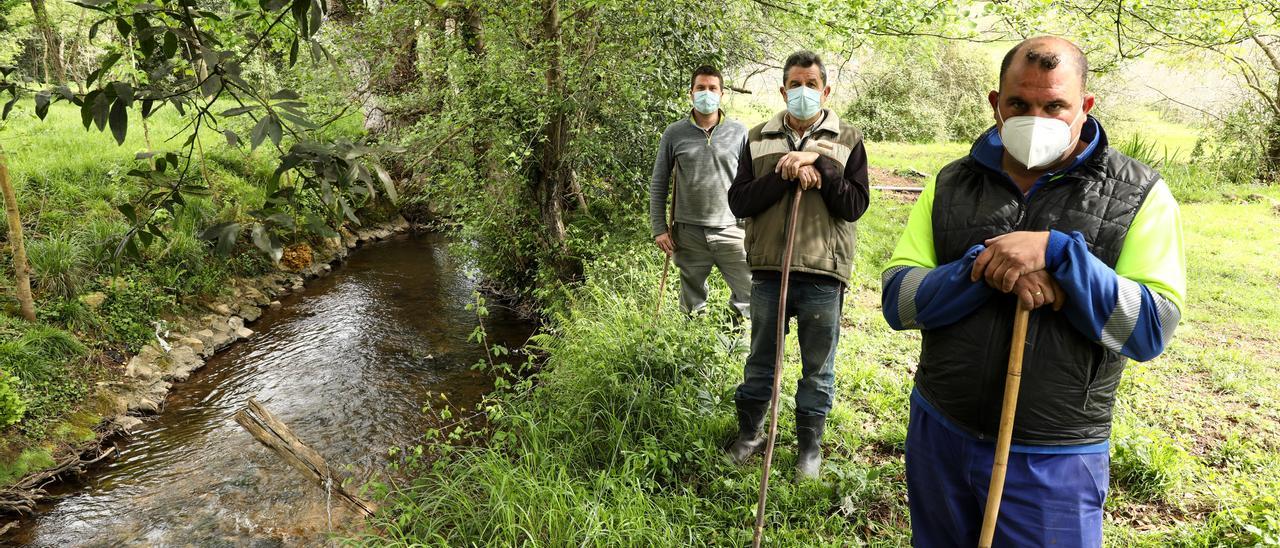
{"points": [[403, 303]]}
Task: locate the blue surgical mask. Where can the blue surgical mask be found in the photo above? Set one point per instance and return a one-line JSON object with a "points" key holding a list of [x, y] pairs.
{"points": [[706, 102], [804, 102]]}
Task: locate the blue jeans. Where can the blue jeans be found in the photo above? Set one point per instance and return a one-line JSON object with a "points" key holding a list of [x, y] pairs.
{"points": [[816, 308], [1049, 499]]}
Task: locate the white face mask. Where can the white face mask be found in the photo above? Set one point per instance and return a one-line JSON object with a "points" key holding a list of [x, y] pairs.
{"points": [[1036, 142]]}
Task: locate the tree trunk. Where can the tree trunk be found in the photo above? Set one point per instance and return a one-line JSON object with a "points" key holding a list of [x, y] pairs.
{"points": [[337, 10], [21, 271], [1270, 168], [549, 182], [52, 43], [472, 38]]}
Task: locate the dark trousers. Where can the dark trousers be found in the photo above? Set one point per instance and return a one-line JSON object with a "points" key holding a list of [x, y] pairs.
{"points": [[816, 307]]}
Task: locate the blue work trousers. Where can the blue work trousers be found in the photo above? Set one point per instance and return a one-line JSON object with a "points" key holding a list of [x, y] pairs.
{"points": [[1049, 499]]}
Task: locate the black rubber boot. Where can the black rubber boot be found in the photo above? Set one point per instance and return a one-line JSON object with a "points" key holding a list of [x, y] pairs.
{"points": [[809, 439], [750, 430]]}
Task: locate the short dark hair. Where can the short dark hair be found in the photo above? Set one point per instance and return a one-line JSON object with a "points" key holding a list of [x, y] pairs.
{"points": [[1047, 60], [803, 59], [705, 70]]}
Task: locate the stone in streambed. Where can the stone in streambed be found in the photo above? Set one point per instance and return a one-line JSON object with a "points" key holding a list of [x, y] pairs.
{"points": [[145, 406], [185, 360], [127, 423], [250, 312]]}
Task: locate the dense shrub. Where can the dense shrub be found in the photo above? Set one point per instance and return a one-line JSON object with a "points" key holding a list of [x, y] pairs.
{"points": [[1235, 148], [133, 303], [934, 93], [11, 405]]}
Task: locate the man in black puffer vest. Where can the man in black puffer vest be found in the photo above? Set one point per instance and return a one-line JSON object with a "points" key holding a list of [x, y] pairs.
{"points": [[1044, 212]]}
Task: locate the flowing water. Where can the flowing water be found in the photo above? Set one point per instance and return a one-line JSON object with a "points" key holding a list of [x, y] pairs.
{"points": [[347, 363]]}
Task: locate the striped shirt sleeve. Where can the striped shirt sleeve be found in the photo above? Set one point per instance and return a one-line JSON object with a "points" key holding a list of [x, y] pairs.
{"points": [[917, 292], [1133, 309]]}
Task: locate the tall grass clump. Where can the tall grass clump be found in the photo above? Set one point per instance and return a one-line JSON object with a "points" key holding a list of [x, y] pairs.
{"points": [[59, 266], [102, 236], [1147, 151]]}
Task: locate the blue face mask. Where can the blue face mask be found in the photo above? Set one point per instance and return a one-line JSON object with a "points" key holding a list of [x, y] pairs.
{"points": [[706, 102], [804, 102]]}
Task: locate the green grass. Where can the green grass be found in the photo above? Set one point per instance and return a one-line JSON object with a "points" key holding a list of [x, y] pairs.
{"points": [[928, 158], [1174, 140]]}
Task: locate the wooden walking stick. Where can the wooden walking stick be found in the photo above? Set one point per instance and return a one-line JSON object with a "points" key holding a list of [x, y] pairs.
{"points": [[662, 289], [780, 346], [1012, 382], [666, 266]]}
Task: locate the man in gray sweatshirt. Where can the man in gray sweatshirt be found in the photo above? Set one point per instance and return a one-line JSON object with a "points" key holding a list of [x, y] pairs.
{"points": [[698, 155]]}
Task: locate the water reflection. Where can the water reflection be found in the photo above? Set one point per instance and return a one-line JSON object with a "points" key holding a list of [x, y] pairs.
{"points": [[347, 364]]}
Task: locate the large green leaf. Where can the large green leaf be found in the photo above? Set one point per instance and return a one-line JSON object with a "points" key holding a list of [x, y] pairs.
{"points": [[259, 133], [387, 184], [267, 242], [42, 104], [224, 235], [119, 120]]}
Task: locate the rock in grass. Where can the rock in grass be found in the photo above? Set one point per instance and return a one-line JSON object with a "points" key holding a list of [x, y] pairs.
{"points": [[196, 345], [400, 224], [255, 296], [146, 364], [141, 369], [185, 360], [220, 309]]}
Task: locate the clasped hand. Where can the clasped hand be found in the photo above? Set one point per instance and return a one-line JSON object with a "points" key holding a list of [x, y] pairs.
{"points": [[1014, 263], [798, 166]]}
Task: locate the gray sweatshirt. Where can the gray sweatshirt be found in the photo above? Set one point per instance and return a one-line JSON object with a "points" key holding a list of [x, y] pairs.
{"points": [[704, 163]]}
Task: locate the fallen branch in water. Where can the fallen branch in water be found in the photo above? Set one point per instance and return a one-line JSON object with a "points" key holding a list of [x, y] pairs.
{"points": [[277, 436]]}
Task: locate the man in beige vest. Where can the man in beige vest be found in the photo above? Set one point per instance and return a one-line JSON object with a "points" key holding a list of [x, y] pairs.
{"points": [[808, 149]]}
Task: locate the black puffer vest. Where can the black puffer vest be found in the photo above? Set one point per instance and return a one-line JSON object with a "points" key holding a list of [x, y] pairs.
{"points": [[1068, 381]]}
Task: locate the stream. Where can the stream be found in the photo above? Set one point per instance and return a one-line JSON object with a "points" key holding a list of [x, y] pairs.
{"points": [[347, 363]]}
